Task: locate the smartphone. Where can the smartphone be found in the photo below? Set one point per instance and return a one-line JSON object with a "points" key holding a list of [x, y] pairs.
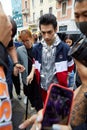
{"points": [[57, 107]]}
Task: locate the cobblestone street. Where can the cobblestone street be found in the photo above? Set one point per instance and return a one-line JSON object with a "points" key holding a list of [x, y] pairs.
{"points": [[19, 111]]}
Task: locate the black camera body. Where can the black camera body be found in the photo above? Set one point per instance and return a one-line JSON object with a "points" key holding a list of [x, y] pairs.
{"points": [[14, 26], [79, 50], [14, 30]]}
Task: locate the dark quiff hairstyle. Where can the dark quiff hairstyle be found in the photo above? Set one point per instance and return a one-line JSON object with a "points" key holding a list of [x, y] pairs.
{"points": [[47, 19], [14, 26]]}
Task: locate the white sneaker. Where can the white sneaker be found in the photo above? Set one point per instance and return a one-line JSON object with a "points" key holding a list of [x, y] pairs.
{"points": [[19, 97], [32, 108], [25, 100]]}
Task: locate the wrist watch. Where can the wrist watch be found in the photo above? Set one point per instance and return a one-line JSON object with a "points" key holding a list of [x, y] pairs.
{"points": [[15, 64]]}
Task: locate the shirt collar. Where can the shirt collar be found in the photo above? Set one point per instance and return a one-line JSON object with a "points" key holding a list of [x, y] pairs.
{"points": [[56, 42]]}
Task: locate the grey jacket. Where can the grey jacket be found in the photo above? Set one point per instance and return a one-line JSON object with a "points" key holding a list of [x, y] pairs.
{"points": [[23, 60]]}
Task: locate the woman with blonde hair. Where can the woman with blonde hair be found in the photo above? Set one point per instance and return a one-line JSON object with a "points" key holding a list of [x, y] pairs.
{"points": [[25, 57]]}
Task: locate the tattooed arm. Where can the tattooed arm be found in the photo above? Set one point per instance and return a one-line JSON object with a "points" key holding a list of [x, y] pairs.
{"points": [[79, 110]]}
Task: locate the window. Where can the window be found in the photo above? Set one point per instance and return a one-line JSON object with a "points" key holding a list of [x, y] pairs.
{"points": [[41, 13], [50, 1], [63, 28], [33, 17], [64, 8], [50, 10], [26, 17], [33, 3], [41, 1], [25, 4]]}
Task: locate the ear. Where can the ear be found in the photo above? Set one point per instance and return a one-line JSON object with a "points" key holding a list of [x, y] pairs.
{"points": [[55, 29]]}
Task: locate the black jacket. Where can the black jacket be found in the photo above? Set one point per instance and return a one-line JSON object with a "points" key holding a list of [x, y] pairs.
{"points": [[3, 57]]}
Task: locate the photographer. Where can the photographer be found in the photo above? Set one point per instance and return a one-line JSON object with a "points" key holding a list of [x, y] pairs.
{"points": [[79, 111], [12, 50], [5, 37]]}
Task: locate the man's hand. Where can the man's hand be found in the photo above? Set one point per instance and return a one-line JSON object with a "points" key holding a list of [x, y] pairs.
{"points": [[36, 120], [5, 27], [30, 78], [18, 68]]}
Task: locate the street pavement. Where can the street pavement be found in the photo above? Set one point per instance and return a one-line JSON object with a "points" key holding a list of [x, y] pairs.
{"points": [[19, 111]]}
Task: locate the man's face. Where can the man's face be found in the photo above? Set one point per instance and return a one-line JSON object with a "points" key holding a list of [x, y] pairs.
{"points": [[80, 11], [48, 33]]}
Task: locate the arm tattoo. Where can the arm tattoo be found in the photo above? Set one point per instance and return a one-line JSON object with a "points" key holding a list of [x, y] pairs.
{"points": [[79, 111]]}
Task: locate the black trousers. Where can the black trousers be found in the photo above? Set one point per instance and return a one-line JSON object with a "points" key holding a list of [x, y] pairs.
{"points": [[34, 95], [16, 82]]}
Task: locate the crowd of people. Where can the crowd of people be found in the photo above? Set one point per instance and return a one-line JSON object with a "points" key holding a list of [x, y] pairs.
{"points": [[42, 61], [79, 110]]}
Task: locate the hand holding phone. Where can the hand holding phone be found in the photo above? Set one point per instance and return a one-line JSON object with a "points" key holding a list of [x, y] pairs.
{"points": [[57, 107]]}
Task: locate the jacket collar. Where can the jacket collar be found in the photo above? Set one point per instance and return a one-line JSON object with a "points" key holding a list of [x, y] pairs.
{"points": [[56, 42]]}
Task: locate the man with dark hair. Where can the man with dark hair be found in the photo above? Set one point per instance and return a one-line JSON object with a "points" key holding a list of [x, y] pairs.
{"points": [[51, 56], [48, 19]]}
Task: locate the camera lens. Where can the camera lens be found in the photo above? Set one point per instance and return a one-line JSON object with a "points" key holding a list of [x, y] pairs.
{"points": [[85, 94], [79, 51], [14, 26], [14, 30]]}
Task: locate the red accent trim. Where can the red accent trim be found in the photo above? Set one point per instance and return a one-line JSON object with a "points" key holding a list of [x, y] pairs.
{"points": [[37, 76], [44, 94], [71, 68], [62, 78], [66, 89]]}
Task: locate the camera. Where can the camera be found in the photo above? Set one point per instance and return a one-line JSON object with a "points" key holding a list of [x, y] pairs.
{"points": [[14, 26], [79, 50], [14, 30]]}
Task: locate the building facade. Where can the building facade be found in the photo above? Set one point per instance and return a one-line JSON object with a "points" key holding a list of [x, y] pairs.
{"points": [[65, 15], [62, 9], [25, 12], [38, 8], [17, 12], [35, 9]]}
